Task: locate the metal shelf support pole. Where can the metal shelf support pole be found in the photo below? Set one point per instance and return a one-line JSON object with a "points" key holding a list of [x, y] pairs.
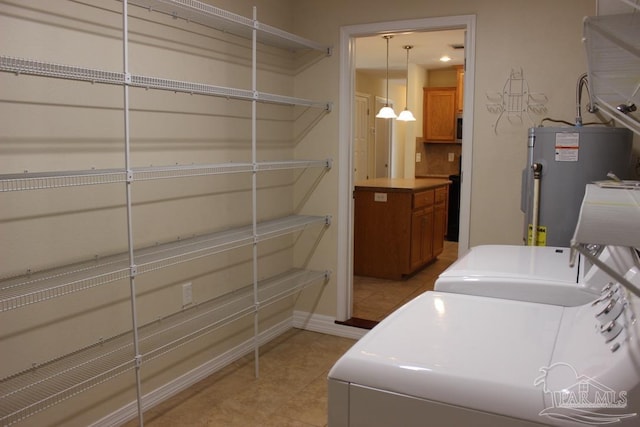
{"points": [[254, 191], [129, 180]]}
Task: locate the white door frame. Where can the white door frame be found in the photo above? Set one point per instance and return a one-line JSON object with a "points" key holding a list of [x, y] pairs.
{"points": [[344, 274]]}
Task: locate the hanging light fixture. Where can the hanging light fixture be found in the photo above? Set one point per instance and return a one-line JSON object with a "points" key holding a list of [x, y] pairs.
{"points": [[406, 115], [387, 112]]}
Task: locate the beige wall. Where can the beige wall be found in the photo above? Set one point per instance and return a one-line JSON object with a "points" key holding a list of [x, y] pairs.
{"points": [[445, 77], [58, 125]]}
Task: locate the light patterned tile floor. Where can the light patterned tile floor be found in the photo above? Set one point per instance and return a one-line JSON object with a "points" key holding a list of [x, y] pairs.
{"points": [[375, 299], [292, 388]]}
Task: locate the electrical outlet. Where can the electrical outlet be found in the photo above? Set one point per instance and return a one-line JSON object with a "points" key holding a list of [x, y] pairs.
{"points": [[418, 157], [452, 157], [187, 294], [379, 197]]}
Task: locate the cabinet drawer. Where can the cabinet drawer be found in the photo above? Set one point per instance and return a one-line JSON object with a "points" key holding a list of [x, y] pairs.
{"points": [[441, 195], [423, 198]]}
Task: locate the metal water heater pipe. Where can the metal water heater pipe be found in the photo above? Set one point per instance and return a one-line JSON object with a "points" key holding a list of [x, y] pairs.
{"points": [[537, 176]]}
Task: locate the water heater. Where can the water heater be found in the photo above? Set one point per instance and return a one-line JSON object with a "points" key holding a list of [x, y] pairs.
{"points": [[568, 158]]}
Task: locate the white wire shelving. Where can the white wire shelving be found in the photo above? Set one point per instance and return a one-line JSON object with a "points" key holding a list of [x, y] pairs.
{"points": [[220, 19], [613, 58], [26, 393], [44, 180], [41, 286], [34, 67]]}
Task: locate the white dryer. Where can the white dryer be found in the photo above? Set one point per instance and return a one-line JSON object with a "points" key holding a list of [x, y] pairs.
{"points": [[459, 360]]}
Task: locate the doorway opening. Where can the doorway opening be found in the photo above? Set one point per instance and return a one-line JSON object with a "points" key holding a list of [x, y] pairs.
{"points": [[346, 172]]}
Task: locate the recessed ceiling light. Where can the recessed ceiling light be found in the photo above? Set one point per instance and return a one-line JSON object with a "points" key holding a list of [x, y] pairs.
{"points": [[445, 58]]}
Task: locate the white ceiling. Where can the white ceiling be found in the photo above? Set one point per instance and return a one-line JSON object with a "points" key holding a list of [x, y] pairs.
{"points": [[428, 47]]}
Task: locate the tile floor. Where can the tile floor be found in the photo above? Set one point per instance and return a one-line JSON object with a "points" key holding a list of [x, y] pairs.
{"points": [[292, 388], [374, 299]]}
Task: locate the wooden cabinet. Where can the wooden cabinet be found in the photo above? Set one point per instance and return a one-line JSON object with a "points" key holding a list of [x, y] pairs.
{"points": [[439, 107], [398, 230], [422, 221], [440, 209]]}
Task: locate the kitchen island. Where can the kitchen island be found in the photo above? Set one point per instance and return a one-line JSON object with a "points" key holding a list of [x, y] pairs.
{"points": [[399, 225]]}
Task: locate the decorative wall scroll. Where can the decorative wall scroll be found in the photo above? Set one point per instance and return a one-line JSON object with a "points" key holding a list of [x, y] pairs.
{"points": [[516, 101]]}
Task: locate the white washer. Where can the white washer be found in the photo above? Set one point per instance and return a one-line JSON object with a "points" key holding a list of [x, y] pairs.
{"points": [[462, 360], [530, 273]]}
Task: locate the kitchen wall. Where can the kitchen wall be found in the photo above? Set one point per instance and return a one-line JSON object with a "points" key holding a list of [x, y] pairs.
{"points": [[374, 84], [442, 159]]}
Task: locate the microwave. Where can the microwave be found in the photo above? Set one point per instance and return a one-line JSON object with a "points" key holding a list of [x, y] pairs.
{"points": [[459, 127]]}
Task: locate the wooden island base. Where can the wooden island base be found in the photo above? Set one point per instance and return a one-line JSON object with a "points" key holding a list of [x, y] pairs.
{"points": [[399, 225]]}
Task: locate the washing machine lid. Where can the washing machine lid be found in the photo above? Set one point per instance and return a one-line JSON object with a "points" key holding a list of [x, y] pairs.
{"points": [[473, 352], [539, 291], [545, 263]]}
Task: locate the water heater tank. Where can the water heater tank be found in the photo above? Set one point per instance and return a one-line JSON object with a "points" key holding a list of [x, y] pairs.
{"points": [[571, 157]]}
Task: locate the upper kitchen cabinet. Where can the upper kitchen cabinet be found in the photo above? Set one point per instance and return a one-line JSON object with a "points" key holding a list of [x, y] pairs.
{"points": [[439, 106]]}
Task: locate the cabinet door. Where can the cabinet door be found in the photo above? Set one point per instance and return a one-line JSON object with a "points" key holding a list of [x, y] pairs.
{"points": [[421, 237], [427, 236], [440, 219], [439, 228], [416, 238], [439, 114]]}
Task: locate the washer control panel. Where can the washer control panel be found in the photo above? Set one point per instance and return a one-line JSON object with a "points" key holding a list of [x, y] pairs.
{"points": [[613, 315]]}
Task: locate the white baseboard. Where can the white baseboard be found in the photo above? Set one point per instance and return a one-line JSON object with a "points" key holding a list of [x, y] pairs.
{"points": [[300, 320], [326, 325]]}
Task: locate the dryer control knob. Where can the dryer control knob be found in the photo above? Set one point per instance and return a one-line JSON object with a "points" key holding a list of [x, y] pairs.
{"points": [[611, 330], [611, 311]]}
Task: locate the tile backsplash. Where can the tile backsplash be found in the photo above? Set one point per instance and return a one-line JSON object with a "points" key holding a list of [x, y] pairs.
{"points": [[435, 158]]}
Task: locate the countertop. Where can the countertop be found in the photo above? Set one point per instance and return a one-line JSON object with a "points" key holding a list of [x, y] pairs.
{"points": [[434, 175], [401, 184]]}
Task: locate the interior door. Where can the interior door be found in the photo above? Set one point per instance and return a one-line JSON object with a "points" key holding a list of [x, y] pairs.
{"points": [[383, 136], [360, 138]]}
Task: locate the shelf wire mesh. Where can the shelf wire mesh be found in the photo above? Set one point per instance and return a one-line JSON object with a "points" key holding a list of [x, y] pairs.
{"points": [[219, 19], [70, 72], [47, 180], [17, 292], [33, 390]]}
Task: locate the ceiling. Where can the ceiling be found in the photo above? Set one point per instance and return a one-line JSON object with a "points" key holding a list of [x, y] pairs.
{"points": [[427, 49]]}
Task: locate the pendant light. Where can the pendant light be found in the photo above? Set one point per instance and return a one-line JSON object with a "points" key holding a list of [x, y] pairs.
{"points": [[406, 115], [387, 112]]}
